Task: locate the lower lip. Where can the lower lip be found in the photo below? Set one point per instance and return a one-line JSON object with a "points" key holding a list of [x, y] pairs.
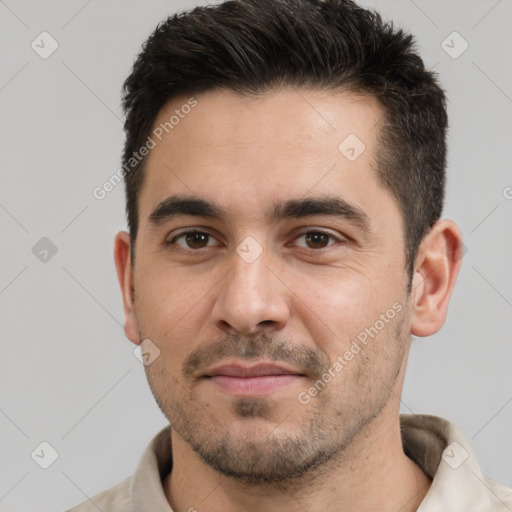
{"points": [[253, 385]]}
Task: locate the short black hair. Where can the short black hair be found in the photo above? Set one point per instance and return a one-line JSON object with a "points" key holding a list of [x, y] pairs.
{"points": [[256, 46]]}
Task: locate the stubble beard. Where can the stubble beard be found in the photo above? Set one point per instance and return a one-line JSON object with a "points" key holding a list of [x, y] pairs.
{"points": [[263, 454]]}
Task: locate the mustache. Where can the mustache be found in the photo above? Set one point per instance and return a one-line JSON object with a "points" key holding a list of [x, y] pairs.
{"points": [[307, 360]]}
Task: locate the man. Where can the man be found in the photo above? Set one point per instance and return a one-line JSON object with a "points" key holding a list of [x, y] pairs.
{"points": [[284, 168]]}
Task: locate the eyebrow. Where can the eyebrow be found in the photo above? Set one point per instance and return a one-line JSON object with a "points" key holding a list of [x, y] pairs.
{"points": [[179, 205]]}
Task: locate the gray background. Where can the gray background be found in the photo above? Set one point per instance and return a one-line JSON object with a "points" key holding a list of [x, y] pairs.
{"points": [[68, 374]]}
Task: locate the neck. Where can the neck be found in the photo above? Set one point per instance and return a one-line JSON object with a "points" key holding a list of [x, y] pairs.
{"points": [[372, 474]]}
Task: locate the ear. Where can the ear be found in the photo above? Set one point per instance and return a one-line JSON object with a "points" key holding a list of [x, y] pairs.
{"points": [[122, 258], [437, 266]]}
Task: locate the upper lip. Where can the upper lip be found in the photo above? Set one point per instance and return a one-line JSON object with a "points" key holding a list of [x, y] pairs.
{"points": [[257, 370]]}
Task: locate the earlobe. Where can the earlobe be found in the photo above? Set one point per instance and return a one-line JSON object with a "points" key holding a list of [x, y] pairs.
{"points": [[437, 266], [122, 258]]}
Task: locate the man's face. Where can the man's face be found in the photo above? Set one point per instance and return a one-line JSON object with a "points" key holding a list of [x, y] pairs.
{"points": [[317, 293]]}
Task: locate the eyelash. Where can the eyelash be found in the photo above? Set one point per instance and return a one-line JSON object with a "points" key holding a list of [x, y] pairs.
{"points": [[172, 242]]}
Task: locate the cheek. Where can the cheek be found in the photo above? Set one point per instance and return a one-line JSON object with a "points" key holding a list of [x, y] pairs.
{"points": [[336, 311], [171, 310], [165, 295]]}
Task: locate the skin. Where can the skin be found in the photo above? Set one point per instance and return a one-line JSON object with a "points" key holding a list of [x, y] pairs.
{"points": [[301, 302]]}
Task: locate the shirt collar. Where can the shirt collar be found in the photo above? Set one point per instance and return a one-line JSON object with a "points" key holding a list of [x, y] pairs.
{"points": [[146, 489], [443, 452], [435, 444]]}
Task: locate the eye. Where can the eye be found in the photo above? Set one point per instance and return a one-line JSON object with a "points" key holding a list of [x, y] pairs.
{"points": [[193, 239], [317, 239], [196, 240]]}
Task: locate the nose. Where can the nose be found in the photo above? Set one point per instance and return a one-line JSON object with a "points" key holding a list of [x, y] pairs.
{"points": [[251, 297]]}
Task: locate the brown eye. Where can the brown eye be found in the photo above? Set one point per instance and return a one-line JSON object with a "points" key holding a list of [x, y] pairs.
{"points": [[193, 240], [317, 240], [196, 240]]}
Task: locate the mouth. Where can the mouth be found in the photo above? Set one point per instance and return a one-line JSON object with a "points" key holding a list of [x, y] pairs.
{"points": [[259, 379]]}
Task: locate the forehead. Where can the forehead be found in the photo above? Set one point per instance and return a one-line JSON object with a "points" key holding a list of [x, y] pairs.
{"points": [[246, 151], [283, 116]]}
